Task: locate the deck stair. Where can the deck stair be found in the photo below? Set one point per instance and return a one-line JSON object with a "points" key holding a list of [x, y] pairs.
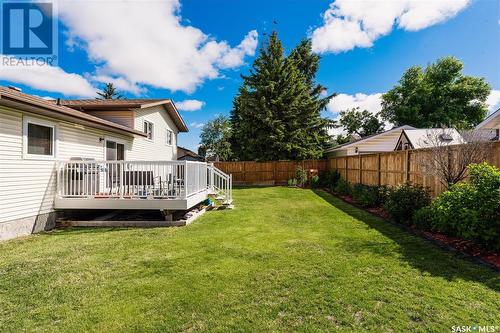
{"points": [[220, 186]]}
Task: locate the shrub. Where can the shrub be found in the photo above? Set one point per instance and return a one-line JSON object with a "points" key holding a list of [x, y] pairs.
{"points": [[343, 187], [329, 179], [301, 176], [315, 181], [423, 218], [405, 200], [471, 210], [292, 182], [370, 195]]}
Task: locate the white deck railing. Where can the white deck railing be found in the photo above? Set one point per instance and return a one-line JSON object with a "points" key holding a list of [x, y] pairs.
{"points": [[220, 183], [131, 179]]}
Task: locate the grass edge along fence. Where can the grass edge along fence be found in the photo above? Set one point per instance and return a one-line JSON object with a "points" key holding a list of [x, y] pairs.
{"points": [[389, 168]]}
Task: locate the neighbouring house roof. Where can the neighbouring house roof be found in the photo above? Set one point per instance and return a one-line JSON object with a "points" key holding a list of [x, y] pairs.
{"points": [[491, 122], [428, 137], [127, 104], [15, 99], [391, 136], [184, 152]]}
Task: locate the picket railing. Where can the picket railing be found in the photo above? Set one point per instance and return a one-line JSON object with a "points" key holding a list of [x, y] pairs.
{"points": [[220, 184], [140, 180], [131, 179]]}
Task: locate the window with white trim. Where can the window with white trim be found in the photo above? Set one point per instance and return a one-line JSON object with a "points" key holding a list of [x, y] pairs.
{"points": [[149, 129], [39, 139], [169, 137]]}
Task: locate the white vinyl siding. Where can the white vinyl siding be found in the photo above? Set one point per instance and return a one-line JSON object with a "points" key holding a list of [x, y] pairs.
{"points": [[144, 149], [125, 118], [27, 186]]}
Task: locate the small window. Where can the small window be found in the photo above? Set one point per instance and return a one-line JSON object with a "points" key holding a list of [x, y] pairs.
{"points": [[148, 129], [169, 137], [39, 139]]}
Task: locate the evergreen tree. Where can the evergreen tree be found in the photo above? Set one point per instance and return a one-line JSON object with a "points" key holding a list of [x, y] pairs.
{"points": [[277, 112], [109, 92]]}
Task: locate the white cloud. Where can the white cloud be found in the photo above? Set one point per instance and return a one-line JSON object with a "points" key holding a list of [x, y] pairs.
{"points": [[147, 44], [348, 24], [197, 125], [493, 100], [189, 105], [48, 78], [343, 102]]}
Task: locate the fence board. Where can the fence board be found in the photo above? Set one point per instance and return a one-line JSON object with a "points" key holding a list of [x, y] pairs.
{"points": [[268, 173]]}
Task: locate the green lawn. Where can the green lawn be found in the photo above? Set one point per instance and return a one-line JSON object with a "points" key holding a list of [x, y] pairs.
{"points": [[283, 260]]}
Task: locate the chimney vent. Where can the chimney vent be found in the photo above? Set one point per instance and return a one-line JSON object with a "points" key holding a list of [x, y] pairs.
{"points": [[58, 101]]}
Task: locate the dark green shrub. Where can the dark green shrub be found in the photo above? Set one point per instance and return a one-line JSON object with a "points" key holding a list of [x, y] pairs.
{"points": [[343, 187], [301, 176], [471, 210], [405, 200], [315, 181], [370, 195], [329, 179], [423, 218]]}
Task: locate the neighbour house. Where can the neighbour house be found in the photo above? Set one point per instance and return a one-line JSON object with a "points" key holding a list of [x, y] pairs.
{"points": [[490, 127], [93, 154], [184, 154], [377, 143], [426, 138]]}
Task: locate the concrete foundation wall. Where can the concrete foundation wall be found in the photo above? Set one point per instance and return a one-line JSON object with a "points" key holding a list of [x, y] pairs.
{"points": [[27, 226]]}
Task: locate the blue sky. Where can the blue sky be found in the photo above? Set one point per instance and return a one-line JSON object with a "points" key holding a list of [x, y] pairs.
{"points": [[364, 49]]}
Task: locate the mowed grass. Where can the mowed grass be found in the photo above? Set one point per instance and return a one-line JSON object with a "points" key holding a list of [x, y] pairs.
{"points": [[283, 260]]}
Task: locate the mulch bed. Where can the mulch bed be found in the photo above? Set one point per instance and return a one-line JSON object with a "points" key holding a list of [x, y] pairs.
{"points": [[466, 248]]}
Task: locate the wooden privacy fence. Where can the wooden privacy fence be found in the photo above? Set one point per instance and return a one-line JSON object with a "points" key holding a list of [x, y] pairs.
{"points": [[390, 168], [267, 173], [394, 168]]}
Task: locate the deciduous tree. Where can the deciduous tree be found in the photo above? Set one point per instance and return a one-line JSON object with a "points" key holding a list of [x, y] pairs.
{"points": [[438, 96]]}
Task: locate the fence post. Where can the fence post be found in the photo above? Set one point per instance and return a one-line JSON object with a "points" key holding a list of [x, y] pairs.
{"points": [[359, 169], [346, 168], [274, 172], [407, 165], [244, 172], [379, 178]]}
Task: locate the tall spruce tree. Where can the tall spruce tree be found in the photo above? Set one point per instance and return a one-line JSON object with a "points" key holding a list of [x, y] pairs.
{"points": [[276, 114]]}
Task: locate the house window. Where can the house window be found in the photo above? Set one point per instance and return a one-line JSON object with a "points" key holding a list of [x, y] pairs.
{"points": [[148, 129], [169, 137], [39, 139], [114, 151]]}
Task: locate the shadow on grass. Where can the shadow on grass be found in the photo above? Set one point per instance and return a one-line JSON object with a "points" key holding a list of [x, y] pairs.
{"points": [[86, 230], [416, 251]]}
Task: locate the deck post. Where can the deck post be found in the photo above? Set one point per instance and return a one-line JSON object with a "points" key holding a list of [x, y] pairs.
{"points": [[185, 180]]}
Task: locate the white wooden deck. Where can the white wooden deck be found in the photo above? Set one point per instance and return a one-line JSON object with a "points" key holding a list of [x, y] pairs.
{"points": [[155, 185]]}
